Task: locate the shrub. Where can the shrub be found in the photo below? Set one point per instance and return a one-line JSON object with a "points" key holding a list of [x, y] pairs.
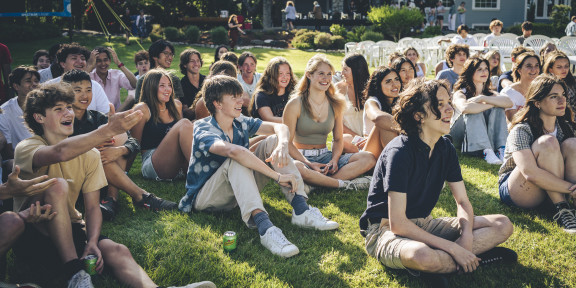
{"points": [[155, 36], [300, 32], [304, 41], [338, 30], [219, 35], [539, 29], [393, 21], [432, 31], [322, 41], [372, 36], [356, 34], [172, 33], [192, 33], [338, 42], [560, 15]]}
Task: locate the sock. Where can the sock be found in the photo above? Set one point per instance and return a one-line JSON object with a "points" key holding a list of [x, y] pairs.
{"points": [[562, 205], [487, 151], [262, 222], [341, 183], [299, 204], [72, 267]]}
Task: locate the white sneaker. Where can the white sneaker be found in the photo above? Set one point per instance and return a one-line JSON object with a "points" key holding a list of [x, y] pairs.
{"points": [[203, 284], [491, 157], [501, 151], [275, 241], [314, 219], [80, 280], [360, 183]]}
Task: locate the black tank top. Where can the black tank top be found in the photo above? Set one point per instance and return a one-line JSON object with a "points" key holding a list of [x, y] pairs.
{"points": [[154, 133]]}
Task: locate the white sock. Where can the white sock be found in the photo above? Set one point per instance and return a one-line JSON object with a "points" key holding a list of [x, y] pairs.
{"points": [[341, 183]]}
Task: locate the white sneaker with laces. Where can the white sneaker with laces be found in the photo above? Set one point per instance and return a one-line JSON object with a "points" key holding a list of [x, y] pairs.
{"points": [[203, 284], [275, 241], [80, 280], [314, 219], [501, 151], [359, 183], [491, 157]]}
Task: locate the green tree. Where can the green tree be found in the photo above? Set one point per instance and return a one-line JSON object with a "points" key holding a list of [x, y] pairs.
{"points": [[394, 22], [560, 15]]}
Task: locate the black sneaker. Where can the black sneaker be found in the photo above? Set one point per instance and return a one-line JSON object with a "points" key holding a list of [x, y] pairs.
{"points": [[434, 280], [566, 219], [108, 206], [155, 204], [498, 255]]}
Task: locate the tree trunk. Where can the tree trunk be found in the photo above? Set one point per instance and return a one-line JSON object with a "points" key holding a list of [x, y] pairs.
{"points": [[267, 14]]}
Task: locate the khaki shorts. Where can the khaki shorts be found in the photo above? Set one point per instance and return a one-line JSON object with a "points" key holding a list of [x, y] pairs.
{"points": [[386, 246]]}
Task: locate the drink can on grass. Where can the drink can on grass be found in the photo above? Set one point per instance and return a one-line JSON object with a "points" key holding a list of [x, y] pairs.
{"points": [[229, 241], [90, 263]]}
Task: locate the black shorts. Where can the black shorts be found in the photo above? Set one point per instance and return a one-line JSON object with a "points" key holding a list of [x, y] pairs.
{"points": [[440, 17], [37, 255]]}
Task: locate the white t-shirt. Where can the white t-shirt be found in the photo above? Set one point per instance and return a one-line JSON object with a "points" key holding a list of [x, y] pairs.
{"points": [[516, 97], [368, 124], [469, 40], [99, 99], [45, 75], [249, 88], [12, 122]]}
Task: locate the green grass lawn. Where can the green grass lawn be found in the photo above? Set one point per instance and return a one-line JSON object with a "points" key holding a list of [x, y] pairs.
{"points": [[177, 248]]}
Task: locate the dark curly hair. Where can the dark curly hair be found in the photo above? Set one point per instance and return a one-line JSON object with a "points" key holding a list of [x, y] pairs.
{"points": [[414, 100], [374, 88], [466, 80], [46, 97], [453, 50]]}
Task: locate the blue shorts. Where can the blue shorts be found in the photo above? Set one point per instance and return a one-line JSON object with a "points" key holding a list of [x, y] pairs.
{"points": [[148, 171], [505, 192], [327, 157]]}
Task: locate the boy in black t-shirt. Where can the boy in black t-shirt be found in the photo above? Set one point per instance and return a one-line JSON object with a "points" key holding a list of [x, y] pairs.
{"points": [[407, 182]]}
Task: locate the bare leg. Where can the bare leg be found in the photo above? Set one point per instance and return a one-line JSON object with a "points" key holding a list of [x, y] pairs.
{"points": [[123, 265], [378, 139], [315, 178], [12, 227], [489, 231], [174, 151], [526, 194], [359, 163], [348, 146], [117, 179]]}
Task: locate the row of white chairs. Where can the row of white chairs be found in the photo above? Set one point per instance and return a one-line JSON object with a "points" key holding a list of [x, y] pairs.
{"points": [[432, 51]]}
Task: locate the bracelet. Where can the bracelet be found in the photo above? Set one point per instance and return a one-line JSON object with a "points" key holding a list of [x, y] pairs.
{"points": [[120, 65], [278, 181]]}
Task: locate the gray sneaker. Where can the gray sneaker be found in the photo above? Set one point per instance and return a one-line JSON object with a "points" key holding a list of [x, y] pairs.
{"points": [[80, 280], [203, 284], [360, 183]]}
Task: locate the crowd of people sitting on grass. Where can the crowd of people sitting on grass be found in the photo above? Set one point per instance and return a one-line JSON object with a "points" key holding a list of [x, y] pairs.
{"points": [[67, 137]]}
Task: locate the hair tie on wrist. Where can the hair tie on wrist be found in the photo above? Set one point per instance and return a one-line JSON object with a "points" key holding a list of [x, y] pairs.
{"points": [[120, 65]]}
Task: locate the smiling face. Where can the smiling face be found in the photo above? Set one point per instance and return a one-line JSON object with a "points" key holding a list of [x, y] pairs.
{"points": [[28, 83], [82, 94], [438, 127], [554, 104], [391, 86], [74, 61], [248, 68], [58, 122], [194, 64], [406, 72], [561, 68], [321, 78], [481, 75], [530, 69], [230, 106], [102, 63], [347, 73], [164, 89], [164, 59], [283, 77], [43, 62]]}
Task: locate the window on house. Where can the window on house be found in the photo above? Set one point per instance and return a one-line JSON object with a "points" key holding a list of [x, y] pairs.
{"points": [[486, 4]]}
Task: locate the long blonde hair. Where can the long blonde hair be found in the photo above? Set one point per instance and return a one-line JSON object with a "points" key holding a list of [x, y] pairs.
{"points": [[302, 90]]}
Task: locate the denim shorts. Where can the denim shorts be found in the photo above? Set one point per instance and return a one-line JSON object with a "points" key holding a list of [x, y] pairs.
{"points": [[148, 171], [326, 157], [504, 191]]}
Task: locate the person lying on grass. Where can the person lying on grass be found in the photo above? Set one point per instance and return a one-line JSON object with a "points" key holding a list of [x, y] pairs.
{"points": [[78, 169], [540, 153], [407, 181], [113, 153], [224, 174]]}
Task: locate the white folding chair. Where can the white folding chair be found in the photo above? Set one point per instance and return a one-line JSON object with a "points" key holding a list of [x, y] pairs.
{"points": [[504, 46], [350, 47], [536, 42], [567, 45]]}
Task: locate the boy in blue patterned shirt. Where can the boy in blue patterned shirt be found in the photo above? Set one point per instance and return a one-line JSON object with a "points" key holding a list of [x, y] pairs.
{"points": [[223, 173]]}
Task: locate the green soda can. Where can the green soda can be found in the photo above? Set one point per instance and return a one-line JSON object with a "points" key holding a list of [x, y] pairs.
{"points": [[229, 241], [90, 263]]}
